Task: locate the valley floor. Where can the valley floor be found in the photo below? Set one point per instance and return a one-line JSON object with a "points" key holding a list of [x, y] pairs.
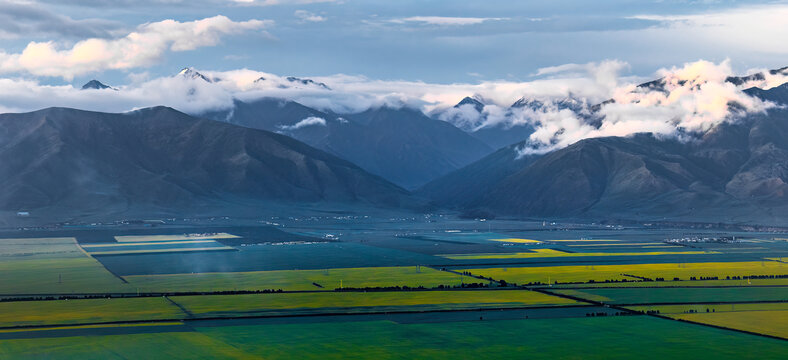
{"points": [[392, 288]]}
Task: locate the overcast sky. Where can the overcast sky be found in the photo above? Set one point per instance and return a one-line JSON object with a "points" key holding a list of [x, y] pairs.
{"points": [[432, 41]]}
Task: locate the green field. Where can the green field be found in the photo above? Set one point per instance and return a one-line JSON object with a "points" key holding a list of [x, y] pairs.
{"points": [[168, 345], [357, 302], [540, 253], [57, 312], [686, 283], [701, 308], [600, 273], [678, 295], [774, 323], [567, 338], [150, 238], [296, 280], [52, 265], [87, 311], [762, 318]]}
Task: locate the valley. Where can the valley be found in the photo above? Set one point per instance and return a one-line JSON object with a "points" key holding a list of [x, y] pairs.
{"points": [[622, 281]]}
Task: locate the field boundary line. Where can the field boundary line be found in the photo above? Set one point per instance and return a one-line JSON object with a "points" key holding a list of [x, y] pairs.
{"points": [[188, 313], [185, 321], [717, 326], [621, 307], [665, 287]]}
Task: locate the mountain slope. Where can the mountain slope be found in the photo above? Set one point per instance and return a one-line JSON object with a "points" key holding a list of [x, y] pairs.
{"points": [[402, 145], [158, 158], [736, 172]]}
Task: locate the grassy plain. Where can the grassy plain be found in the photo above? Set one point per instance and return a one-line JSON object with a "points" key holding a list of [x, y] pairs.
{"points": [[57, 312], [620, 244], [167, 345], [685, 283], [518, 241], [151, 238], [762, 318], [51, 265], [154, 251], [679, 295], [152, 243], [568, 338], [357, 302], [701, 308], [295, 280], [539, 253], [773, 323], [600, 273]]}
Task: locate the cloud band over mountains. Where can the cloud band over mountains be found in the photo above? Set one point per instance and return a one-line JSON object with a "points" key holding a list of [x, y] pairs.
{"points": [[690, 99]]}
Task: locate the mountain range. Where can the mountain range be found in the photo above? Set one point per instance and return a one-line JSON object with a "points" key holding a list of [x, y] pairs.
{"points": [[735, 172], [402, 145], [159, 160], [273, 152]]}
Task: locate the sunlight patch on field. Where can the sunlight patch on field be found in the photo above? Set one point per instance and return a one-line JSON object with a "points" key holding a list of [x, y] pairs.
{"points": [[538, 253], [359, 302], [55, 312], [148, 238], [518, 241], [97, 326], [51, 265], [154, 251], [600, 273], [296, 280], [155, 243], [620, 244], [584, 240], [763, 318], [773, 323]]}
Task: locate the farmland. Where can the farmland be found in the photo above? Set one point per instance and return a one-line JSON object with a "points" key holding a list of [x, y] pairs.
{"points": [[58, 312], [256, 291], [356, 302], [51, 265], [600, 273], [596, 338], [679, 294], [539, 253], [297, 280], [762, 318]]}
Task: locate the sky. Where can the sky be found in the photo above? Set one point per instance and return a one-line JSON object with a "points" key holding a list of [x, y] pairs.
{"points": [[433, 41], [422, 54]]}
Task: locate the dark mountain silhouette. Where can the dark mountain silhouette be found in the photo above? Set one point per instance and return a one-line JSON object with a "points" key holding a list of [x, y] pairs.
{"points": [[159, 159], [736, 172], [402, 145], [96, 85]]}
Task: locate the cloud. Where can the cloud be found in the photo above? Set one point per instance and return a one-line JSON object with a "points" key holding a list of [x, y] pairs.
{"points": [[140, 48], [444, 20], [752, 28], [308, 16], [28, 19], [687, 100], [310, 121], [182, 3], [282, 2]]}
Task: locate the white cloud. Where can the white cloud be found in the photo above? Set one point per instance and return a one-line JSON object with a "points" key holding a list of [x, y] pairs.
{"points": [[694, 98], [310, 121], [282, 2], [444, 20], [308, 16], [690, 100], [751, 28], [140, 48]]}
